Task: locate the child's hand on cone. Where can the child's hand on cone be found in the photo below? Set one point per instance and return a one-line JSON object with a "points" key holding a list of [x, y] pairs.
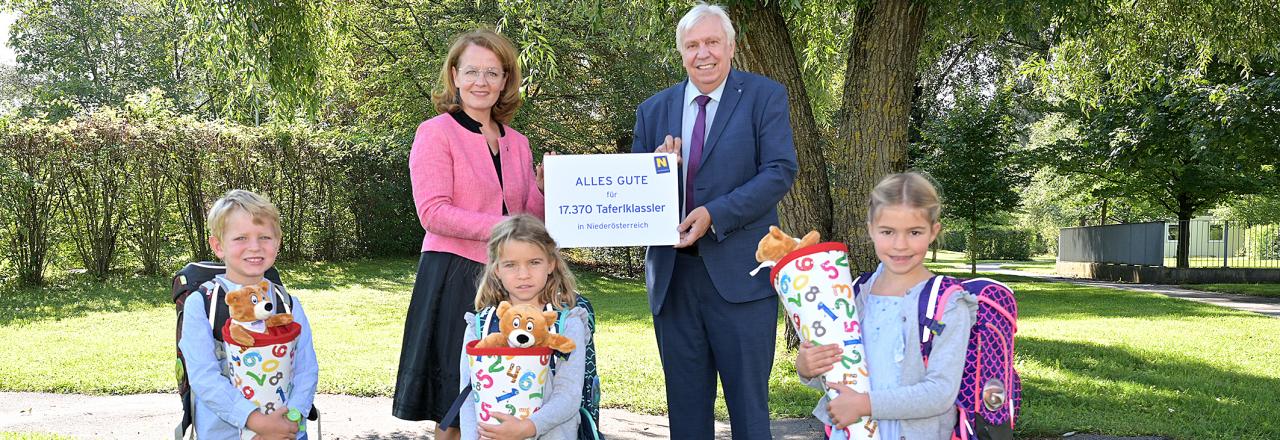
{"points": [[849, 407], [510, 427], [272, 426], [814, 360]]}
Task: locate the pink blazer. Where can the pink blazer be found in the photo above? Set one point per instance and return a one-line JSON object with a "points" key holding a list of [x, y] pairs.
{"points": [[456, 190]]}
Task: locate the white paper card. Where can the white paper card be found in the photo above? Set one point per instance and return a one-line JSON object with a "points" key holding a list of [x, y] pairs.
{"points": [[601, 200]]}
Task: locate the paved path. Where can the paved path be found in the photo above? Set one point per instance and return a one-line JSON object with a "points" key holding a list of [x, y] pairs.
{"points": [[344, 417], [1258, 304], [154, 416]]}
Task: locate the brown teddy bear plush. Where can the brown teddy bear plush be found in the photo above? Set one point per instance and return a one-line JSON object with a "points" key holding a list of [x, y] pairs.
{"points": [[524, 326], [250, 309], [777, 244]]}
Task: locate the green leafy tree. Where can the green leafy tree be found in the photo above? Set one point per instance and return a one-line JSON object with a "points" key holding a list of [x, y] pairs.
{"points": [[82, 54], [1186, 145], [972, 153], [270, 53], [887, 44], [1251, 209]]}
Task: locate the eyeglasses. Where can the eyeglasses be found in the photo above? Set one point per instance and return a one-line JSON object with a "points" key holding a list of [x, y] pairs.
{"points": [[473, 74]]}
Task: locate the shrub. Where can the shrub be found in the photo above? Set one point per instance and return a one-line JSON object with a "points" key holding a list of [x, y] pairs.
{"points": [[146, 178], [621, 261], [952, 240], [1003, 244], [93, 155], [28, 193], [149, 194], [381, 198], [1263, 241]]}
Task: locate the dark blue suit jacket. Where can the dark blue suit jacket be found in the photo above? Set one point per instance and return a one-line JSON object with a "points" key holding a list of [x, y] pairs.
{"points": [[748, 164]]}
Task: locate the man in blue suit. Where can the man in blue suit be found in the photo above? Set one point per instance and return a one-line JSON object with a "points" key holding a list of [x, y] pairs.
{"points": [[733, 134]]}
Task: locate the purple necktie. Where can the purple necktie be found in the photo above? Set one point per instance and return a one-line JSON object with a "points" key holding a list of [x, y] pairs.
{"points": [[695, 151]]}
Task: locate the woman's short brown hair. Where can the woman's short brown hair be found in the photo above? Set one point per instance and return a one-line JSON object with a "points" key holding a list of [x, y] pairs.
{"points": [[446, 94]]}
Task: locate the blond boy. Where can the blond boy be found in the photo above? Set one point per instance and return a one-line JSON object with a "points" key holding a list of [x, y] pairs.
{"points": [[245, 234]]}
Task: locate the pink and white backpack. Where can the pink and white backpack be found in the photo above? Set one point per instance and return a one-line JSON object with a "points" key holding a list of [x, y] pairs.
{"points": [[989, 359]]}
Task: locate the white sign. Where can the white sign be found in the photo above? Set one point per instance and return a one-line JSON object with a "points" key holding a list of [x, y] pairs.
{"points": [[600, 200]]}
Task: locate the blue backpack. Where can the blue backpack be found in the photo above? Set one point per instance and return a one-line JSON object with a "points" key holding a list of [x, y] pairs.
{"points": [[590, 408]]}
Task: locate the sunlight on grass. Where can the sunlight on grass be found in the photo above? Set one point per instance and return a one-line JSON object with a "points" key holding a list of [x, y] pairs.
{"points": [[1269, 290], [32, 436], [632, 370]]}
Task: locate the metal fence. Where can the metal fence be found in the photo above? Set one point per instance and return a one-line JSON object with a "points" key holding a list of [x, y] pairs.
{"points": [[1210, 243], [1223, 243]]}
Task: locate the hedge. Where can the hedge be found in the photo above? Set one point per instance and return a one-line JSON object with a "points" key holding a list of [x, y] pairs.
{"points": [[112, 182]]}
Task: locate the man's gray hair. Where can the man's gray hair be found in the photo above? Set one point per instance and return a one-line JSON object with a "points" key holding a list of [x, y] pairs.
{"points": [[703, 10]]}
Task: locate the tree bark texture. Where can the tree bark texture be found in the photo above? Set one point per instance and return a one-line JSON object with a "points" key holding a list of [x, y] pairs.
{"points": [[1184, 239], [765, 47], [876, 102]]}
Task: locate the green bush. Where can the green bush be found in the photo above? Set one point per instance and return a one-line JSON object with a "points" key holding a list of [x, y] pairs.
{"points": [[621, 261], [1041, 245], [29, 193], [377, 170], [1263, 241], [87, 190], [951, 240], [1003, 244]]}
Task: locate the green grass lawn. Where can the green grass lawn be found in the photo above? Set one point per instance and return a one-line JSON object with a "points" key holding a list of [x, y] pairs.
{"points": [[948, 260], [31, 436], [1271, 290], [1092, 359]]}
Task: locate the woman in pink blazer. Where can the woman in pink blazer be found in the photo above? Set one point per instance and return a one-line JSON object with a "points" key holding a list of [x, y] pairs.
{"points": [[469, 171]]}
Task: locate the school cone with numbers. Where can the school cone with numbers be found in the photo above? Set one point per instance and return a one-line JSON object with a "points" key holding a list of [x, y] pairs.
{"points": [[263, 372], [508, 380], [816, 289]]}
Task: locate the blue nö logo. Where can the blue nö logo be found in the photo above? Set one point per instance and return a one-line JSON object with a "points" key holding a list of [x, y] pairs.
{"points": [[660, 165]]}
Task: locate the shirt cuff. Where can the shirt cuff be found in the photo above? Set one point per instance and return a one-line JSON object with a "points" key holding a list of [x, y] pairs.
{"points": [[240, 414]]}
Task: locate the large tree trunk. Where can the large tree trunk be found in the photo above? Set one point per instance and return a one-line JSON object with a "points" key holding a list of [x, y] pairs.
{"points": [[1184, 238], [766, 48], [876, 102]]}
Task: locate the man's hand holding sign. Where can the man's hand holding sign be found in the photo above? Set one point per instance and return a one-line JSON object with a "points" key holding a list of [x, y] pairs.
{"points": [[695, 225]]}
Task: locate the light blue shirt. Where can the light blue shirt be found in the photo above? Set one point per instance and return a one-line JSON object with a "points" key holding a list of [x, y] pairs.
{"points": [[690, 118], [885, 339], [922, 403], [220, 410]]}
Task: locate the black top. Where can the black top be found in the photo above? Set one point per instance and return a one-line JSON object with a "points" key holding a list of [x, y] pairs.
{"points": [[472, 125]]}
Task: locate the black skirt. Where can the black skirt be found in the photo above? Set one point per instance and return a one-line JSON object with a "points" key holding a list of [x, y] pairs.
{"points": [[427, 381]]}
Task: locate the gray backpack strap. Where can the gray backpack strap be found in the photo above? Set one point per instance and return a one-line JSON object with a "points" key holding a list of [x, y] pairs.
{"points": [[483, 318], [282, 297], [212, 298]]}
